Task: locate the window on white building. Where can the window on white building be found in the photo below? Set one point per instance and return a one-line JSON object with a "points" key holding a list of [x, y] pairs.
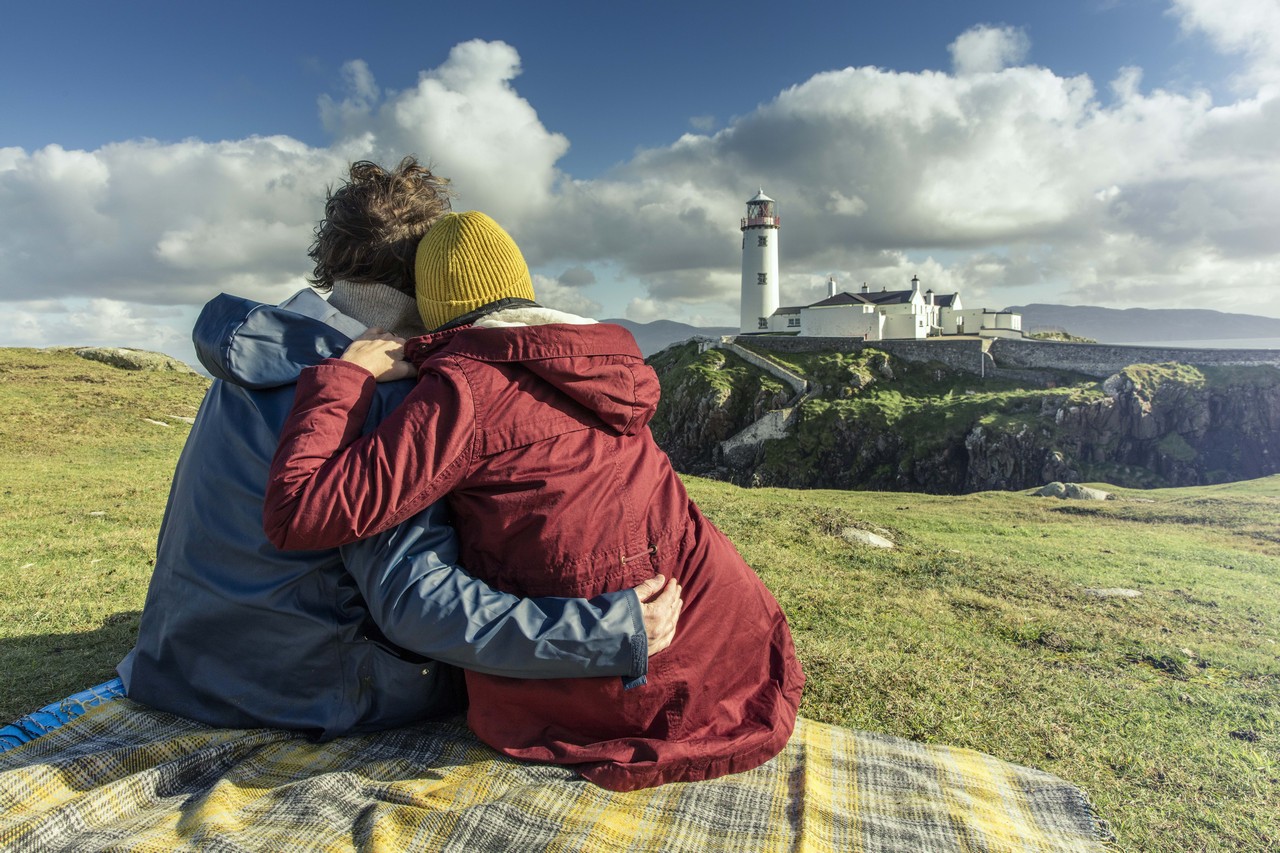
{"points": [[764, 323], [762, 240], [793, 321], [762, 278]]}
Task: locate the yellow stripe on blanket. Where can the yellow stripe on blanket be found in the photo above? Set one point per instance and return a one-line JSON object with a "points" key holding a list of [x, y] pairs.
{"points": [[130, 778]]}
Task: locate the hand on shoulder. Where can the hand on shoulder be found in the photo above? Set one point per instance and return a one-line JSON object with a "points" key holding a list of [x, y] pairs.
{"points": [[382, 354]]}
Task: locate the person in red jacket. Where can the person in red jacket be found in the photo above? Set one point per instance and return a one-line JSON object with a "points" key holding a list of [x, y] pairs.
{"points": [[534, 423]]}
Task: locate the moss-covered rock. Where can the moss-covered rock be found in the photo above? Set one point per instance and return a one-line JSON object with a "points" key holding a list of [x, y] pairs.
{"points": [[132, 359], [886, 424], [707, 397]]}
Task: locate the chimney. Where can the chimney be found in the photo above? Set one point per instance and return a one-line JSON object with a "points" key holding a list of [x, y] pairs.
{"points": [[864, 287], [928, 296], [915, 284], [831, 286]]}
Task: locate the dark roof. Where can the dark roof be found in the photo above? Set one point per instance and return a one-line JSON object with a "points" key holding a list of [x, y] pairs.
{"points": [[789, 309], [887, 297], [879, 297], [840, 299]]}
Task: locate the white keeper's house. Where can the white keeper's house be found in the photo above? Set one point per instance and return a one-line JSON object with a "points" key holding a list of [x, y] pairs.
{"points": [[870, 315]]}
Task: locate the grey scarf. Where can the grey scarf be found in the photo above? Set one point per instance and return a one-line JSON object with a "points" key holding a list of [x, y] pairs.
{"points": [[378, 305]]}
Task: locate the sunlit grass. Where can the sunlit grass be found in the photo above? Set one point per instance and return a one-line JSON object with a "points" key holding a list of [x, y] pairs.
{"points": [[981, 630], [84, 474], [978, 630]]}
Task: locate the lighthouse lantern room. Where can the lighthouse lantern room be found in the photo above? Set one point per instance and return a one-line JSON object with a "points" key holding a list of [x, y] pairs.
{"points": [[759, 263]]}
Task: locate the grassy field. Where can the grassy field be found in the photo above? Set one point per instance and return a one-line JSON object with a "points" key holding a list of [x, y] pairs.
{"points": [[980, 629]]}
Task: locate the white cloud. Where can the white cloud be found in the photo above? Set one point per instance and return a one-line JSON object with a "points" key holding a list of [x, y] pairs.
{"points": [[163, 224], [642, 310], [146, 222], [844, 205], [1008, 182], [101, 322], [985, 49], [1247, 27], [466, 118], [554, 294], [1023, 179], [577, 276]]}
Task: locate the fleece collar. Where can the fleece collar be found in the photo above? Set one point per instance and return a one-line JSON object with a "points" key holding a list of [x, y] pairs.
{"points": [[529, 315], [527, 333]]}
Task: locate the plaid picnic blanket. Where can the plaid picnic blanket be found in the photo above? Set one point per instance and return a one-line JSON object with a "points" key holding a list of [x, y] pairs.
{"points": [[120, 776]]}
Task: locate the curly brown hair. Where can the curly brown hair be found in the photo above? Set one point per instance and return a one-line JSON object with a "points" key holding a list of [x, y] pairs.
{"points": [[373, 222]]}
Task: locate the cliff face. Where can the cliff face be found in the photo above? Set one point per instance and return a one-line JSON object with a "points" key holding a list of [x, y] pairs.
{"points": [[707, 398], [888, 425], [1186, 426]]}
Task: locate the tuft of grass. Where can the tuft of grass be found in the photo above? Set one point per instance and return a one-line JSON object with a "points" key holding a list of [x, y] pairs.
{"points": [[981, 629]]}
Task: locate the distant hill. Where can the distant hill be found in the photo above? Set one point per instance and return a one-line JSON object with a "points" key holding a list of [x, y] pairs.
{"points": [[659, 334], [1114, 325]]}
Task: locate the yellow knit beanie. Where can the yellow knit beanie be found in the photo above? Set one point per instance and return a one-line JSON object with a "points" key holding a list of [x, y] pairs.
{"points": [[464, 262]]}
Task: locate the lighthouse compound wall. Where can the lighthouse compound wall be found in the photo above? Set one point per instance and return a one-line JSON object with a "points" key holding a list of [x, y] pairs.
{"points": [[1012, 358]]}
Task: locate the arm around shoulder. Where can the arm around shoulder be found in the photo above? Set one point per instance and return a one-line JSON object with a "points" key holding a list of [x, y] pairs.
{"points": [[425, 603], [328, 486]]}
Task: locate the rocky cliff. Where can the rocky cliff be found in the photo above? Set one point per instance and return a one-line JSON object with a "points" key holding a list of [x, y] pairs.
{"points": [[707, 398], [885, 424]]}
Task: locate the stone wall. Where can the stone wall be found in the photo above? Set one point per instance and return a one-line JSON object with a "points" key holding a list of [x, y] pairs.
{"points": [[1010, 356], [963, 354], [741, 448], [1106, 359], [798, 383]]}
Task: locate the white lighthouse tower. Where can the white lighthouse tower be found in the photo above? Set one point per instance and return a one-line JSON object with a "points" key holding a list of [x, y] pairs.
{"points": [[759, 263]]}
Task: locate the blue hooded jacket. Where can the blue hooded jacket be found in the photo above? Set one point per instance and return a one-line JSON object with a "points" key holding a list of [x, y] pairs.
{"points": [[236, 633]]}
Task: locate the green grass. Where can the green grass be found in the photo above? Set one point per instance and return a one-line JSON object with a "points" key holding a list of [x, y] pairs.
{"points": [[976, 631], [83, 477]]}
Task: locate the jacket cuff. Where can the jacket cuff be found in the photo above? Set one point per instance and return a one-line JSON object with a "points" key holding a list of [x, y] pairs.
{"points": [[639, 642]]}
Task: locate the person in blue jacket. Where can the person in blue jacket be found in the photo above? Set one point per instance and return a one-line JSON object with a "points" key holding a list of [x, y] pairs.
{"points": [[236, 633]]}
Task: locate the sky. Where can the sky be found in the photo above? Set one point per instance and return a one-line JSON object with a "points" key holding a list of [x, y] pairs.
{"points": [[1120, 153]]}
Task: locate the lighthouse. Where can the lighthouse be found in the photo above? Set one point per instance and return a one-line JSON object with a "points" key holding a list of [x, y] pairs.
{"points": [[759, 263]]}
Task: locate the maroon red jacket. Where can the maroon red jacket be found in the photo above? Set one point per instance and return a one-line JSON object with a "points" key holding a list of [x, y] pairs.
{"points": [[539, 436]]}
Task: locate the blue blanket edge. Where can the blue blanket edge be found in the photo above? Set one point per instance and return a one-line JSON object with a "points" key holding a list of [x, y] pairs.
{"points": [[48, 718]]}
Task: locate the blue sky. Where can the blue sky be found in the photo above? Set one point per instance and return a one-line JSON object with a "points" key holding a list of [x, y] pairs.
{"points": [[1117, 152], [612, 77]]}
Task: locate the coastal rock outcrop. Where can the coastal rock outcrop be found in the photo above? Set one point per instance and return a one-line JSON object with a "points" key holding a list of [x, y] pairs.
{"points": [[890, 425], [127, 358], [713, 396], [1072, 491]]}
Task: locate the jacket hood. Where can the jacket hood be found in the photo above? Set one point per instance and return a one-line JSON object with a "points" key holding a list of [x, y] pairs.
{"points": [[597, 365], [261, 346]]}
